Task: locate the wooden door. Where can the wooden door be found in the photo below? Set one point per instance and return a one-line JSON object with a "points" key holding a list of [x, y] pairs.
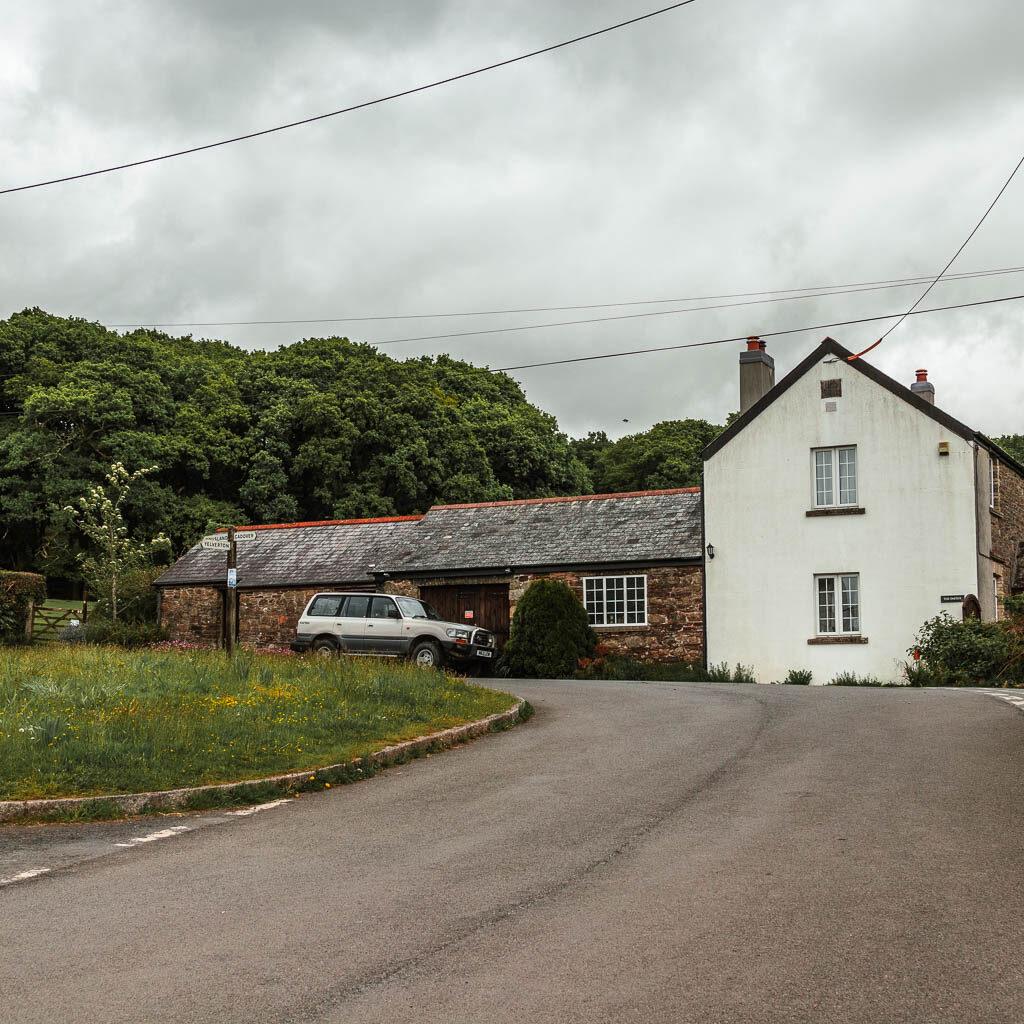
{"points": [[483, 604]]}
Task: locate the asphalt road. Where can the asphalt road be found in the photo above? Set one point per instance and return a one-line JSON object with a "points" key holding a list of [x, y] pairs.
{"points": [[636, 852]]}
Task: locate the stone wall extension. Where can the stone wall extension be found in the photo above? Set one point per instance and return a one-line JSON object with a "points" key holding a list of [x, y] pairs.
{"points": [[1007, 525]]}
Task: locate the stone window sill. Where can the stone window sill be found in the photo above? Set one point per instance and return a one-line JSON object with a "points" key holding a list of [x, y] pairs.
{"points": [[849, 638], [993, 512], [844, 511], [613, 628]]}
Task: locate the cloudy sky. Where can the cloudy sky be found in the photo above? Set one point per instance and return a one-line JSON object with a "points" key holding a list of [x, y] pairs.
{"points": [[730, 146]]}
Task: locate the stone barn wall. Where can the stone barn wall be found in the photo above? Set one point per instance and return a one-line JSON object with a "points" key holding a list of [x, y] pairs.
{"points": [[267, 617], [675, 608], [192, 614]]}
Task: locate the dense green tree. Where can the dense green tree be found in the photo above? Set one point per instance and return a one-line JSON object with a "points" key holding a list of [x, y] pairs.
{"points": [[1013, 445], [668, 455], [321, 429], [589, 450]]}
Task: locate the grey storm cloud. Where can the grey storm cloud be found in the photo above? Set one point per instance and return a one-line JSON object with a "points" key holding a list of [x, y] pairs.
{"points": [[728, 146]]}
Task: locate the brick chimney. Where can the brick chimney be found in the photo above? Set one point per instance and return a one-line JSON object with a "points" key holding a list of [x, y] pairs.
{"points": [[757, 373], [923, 388]]}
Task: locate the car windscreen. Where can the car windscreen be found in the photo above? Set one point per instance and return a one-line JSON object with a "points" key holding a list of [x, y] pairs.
{"points": [[413, 609]]}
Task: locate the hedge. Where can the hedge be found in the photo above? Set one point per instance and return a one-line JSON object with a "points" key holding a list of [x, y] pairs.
{"points": [[17, 591]]}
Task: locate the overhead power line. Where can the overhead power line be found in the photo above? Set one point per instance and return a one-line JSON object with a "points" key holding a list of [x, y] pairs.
{"points": [[355, 106], [921, 297], [634, 316], [823, 289], [760, 334]]}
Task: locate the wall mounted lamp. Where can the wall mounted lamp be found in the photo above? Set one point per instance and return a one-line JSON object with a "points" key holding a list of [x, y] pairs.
{"points": [[711, 551]]}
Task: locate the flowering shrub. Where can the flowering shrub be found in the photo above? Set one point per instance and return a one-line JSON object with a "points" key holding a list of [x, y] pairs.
{"points": [[967, 653]]}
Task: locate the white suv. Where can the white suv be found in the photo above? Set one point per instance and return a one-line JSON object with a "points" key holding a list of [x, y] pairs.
{"points": [[392, 626]]}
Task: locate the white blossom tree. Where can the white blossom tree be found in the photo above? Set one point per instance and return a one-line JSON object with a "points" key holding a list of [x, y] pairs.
{"points": [[115, 556]]}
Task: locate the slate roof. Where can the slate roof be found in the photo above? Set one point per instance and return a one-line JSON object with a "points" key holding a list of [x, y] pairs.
{"points": [[639, 528], [643, 527], [300, 554]]}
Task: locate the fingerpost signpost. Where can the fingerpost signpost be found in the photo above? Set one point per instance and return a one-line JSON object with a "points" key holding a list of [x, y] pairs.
{"points": [[228, 542]]}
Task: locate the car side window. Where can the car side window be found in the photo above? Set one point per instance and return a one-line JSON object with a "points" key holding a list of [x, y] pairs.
{"points": [[384, 608], [355, 606], [326, 604]]}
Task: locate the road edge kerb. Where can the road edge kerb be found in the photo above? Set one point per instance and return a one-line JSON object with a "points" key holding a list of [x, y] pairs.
{"points": [[291, 782]]}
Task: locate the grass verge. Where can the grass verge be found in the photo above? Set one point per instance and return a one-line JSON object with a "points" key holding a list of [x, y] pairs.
{"points": [[101, 721]]}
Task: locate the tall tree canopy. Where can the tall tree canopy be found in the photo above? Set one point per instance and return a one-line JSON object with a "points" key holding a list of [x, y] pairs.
{"points": [[1013, 445], [322, 429], [668, 455]]}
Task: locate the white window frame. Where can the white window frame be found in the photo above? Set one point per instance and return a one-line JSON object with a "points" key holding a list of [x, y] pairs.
{"points": [[839, 617], [600, 591], [991, 483], [834, 464]]}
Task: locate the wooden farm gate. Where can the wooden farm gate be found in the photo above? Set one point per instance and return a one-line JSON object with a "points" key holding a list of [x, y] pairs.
{"points": [[46, 621]]}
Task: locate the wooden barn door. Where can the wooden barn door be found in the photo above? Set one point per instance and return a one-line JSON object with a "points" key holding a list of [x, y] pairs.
{"points": [[484, 605]]}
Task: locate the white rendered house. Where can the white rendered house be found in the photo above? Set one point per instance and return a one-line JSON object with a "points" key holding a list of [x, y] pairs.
{"points": [[842, 510]]}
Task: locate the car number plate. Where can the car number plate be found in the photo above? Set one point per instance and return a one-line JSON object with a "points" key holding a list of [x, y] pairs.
{"points": [[483, 654]]}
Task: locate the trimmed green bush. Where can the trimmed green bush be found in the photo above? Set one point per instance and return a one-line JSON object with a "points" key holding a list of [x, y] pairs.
{"points": [[17, 591], [550, 633]]}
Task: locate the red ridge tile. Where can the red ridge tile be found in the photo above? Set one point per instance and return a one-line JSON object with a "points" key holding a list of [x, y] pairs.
{"points": [[569, 497]]}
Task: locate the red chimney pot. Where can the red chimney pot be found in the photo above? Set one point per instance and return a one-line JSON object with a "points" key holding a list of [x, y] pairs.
{"points": [[922, 375], [753, 344]]}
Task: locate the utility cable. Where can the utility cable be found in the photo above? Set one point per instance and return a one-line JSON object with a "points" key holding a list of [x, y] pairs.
{"points": [[356, 106], [629, 316], [760, 334], [921, 297], [823, 290]]}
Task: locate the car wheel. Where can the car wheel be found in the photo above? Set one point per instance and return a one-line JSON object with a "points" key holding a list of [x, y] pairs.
{"points": [[324, 648], [427, 654]]}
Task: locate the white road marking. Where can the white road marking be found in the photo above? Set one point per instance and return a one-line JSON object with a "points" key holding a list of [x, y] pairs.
{"points": [[24, 876], [246, 811], [164, 833], [1011, 697]]}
